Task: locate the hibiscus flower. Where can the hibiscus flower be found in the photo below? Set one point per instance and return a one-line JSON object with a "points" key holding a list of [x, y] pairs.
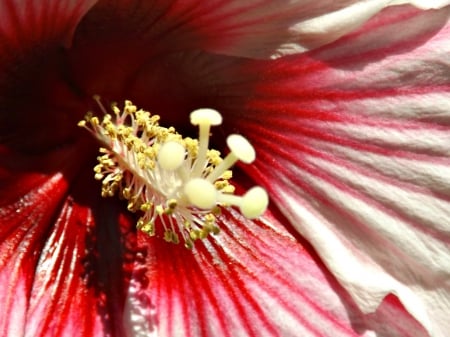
{"points": [[347, 106]]}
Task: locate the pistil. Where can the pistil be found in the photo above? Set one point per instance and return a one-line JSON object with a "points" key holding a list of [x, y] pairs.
{"points": [[174, 181]]}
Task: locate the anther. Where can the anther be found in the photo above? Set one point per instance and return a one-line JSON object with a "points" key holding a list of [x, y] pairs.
{"points": [[99, 103]]}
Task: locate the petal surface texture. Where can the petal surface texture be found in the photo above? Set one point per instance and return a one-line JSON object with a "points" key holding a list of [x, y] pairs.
{"points": [[32, 37], [39, 22], [270, 29], [254, 279], [64, 261], [354, 146], [254, 28], [352, 143]]}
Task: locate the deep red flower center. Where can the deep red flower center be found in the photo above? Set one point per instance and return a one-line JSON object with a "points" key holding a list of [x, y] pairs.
{"points": [[49, 91]]}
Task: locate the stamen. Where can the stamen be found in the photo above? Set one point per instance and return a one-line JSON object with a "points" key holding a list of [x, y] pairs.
{"points": [[177, 184]]}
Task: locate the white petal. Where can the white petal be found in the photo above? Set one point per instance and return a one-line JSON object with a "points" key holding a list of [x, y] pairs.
{"points": [[263, 29], [427, 4], [258, 29], [353, 144]]}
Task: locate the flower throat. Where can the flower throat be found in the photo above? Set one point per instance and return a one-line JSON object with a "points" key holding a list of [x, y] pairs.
{"points": [[164, 176]]}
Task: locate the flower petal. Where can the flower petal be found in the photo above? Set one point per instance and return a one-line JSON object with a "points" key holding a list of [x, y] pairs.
{"points": [[353, 142], [434, 4], [253, 279], [34, 92], [25, 26], [267, 28], [142, 33], [64, 259], [249, 28]]}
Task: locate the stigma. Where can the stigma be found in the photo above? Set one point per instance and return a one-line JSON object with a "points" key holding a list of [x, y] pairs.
{"points": [[177, 184]]}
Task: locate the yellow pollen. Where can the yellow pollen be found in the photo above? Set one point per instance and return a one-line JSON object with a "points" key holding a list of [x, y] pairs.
{"points": [[178, 185]]}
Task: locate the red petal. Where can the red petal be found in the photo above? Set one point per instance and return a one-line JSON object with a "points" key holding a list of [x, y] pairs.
{"points": [[34, 90], [249, 28], [117, 41], [353, 142], [64, 254], [35, 24], [253, 279]]}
